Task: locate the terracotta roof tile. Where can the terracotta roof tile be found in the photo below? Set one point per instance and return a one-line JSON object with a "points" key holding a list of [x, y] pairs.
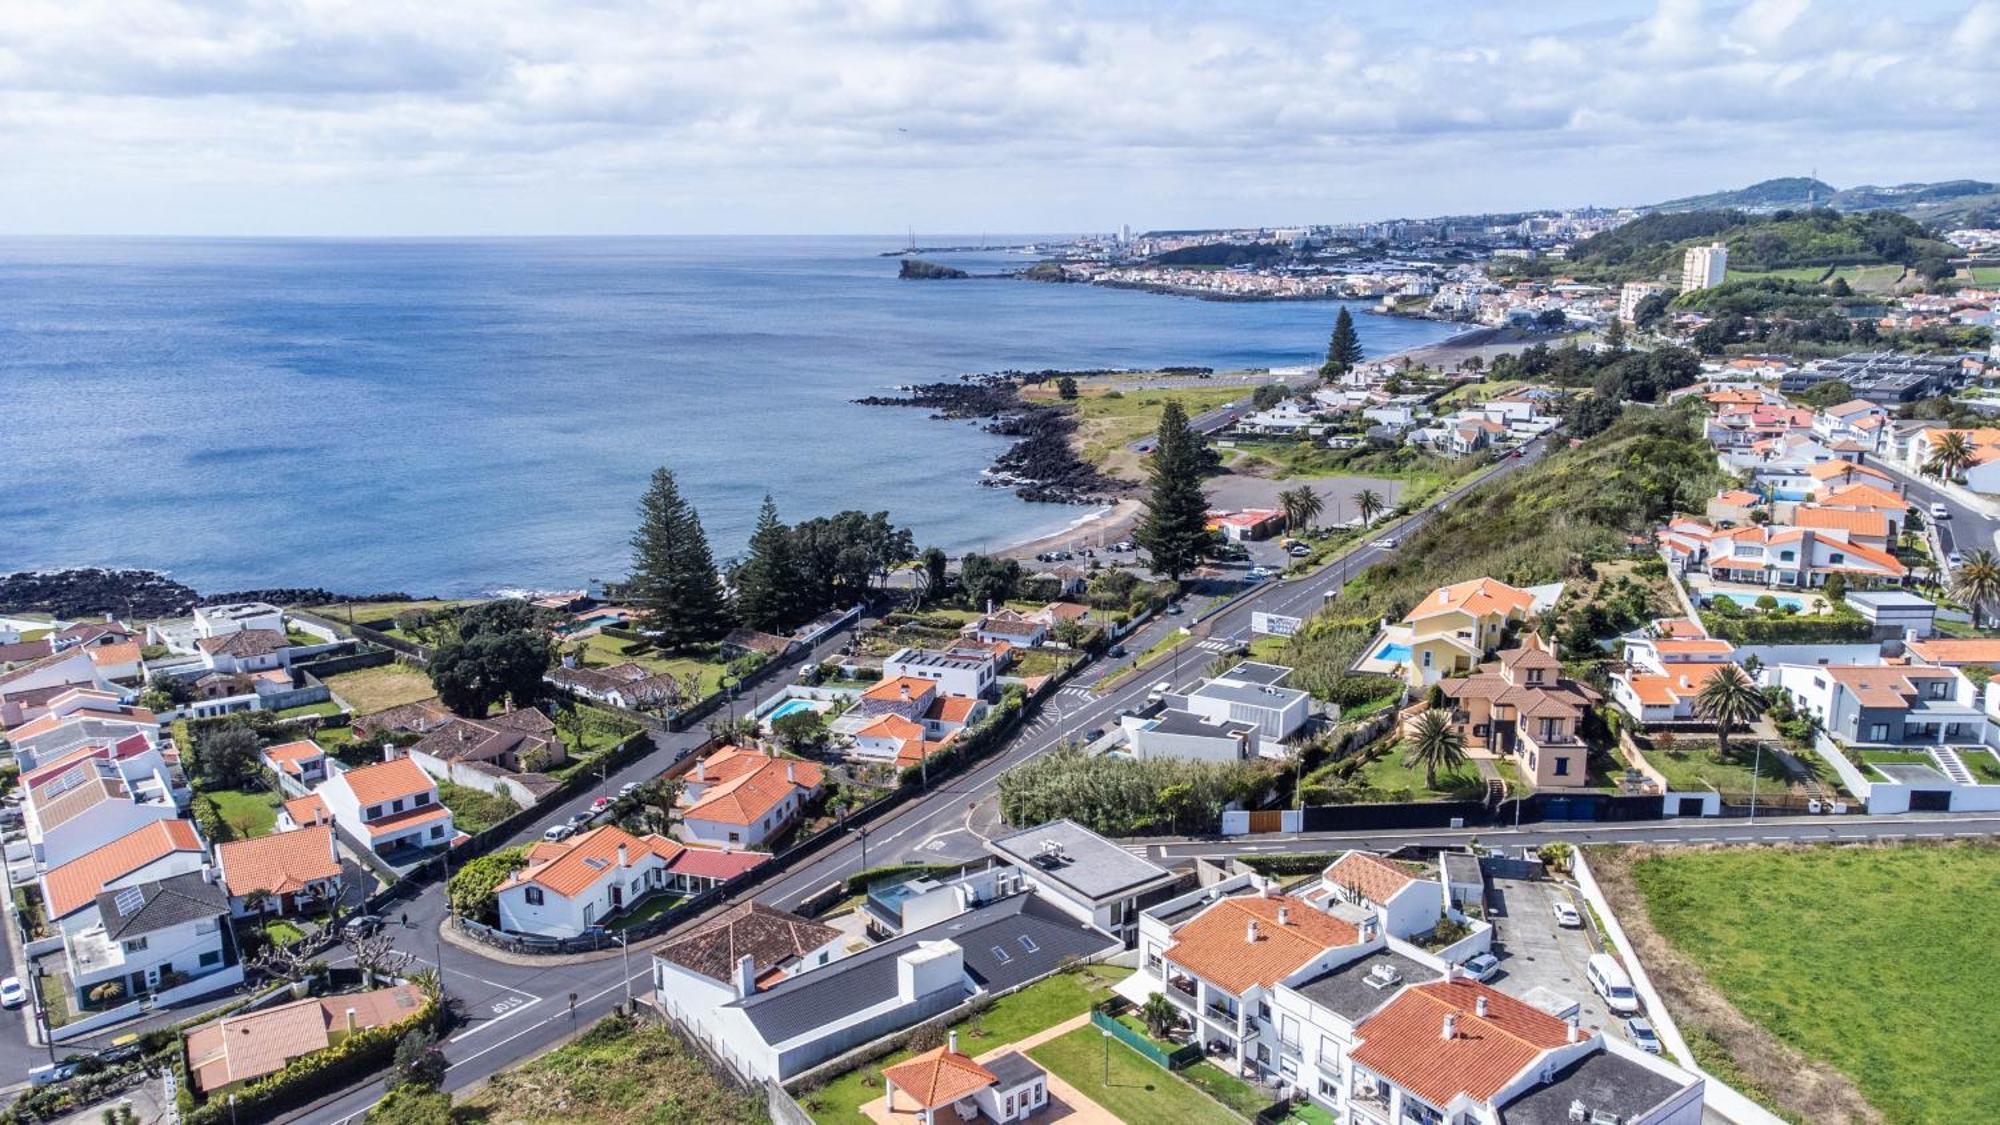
{"points": [[570, 867], [73, 885], [281, 863], [769, 936], [1217, 946], [1376, 878], [1405, 1043], [379, 782], [938, 1077]]}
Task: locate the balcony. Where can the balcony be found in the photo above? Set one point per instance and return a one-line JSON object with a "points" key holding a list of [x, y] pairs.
{"points": [[1183, 985], [1371, 1104], [1218, 1013]]}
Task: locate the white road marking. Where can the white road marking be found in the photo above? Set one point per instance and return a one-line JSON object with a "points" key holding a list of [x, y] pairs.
{"points": [[510, 1012]]}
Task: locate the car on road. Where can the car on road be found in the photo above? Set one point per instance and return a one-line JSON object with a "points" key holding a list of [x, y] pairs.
{"points": [[1115, 651], [1481, 966], [1259, 573], [12, 995], [1298, 550], [1940, 512], [361, 925], [51, 1072], [629, 788], [1386, 543], [600, 804], [1095, 734], [579, 819], [1175, 610], [1566, 915], [556, 834], [1640, 1031], [1954, 560]]}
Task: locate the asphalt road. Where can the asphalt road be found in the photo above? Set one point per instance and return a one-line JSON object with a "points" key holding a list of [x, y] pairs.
{"points": [[1969, 529]]}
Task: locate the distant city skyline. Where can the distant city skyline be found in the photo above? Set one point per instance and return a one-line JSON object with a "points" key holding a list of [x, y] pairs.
{"points": [[759, 117]]}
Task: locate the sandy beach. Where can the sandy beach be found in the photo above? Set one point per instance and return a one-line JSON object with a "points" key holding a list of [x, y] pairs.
{"points": [[1106, 525]]}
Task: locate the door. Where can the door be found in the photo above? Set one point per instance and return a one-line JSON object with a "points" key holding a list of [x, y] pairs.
{"points": [[1690, 806], [1267, 820], [1930, 800]]}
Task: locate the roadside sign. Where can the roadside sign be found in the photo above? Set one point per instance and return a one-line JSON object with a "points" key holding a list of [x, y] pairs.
{"points": [[1276, 625]]}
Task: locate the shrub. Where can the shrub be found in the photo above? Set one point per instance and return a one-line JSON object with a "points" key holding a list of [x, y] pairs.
{"points": [[107, 992]]}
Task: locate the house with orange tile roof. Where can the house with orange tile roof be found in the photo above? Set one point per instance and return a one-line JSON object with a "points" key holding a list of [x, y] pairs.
{"points": [[1523, 708], [26, 690], [569, 886], [1225, 961], [281, 873], [1408, 902], [1894, 506], [1777, 556], [390, 808], [1887, 705], [156, 851], [1455, 1050], [1664, 672], [742, 798], [1733, 505], [303, 761], [1856, 420], [1005, 1088], [87, 800], [299, 812], [1866, 526], [1455, 626], [1983, 475], [227, 1053], [120, 660], [1955, 652]]}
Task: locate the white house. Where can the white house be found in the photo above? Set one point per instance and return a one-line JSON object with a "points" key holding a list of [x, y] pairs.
{"points": [[571, 886], [388, 807], [222, 620], [1004, 1088], [151, 937], [281, 873], [27, 690], [83, 802], [1085, 875], [245, 651], [1251, 693], [952, 673], [738, 797], [156, 851], [1408, 904]]}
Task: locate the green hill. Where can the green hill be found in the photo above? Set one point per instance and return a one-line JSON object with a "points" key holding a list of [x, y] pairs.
{"points": [[1652, 246], [1766, 195], [1940, 206]]}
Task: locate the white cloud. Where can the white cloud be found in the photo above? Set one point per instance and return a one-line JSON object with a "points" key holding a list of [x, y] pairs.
{"points": [[695, 115]]}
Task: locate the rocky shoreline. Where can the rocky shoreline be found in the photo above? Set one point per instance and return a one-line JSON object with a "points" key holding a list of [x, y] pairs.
{"points": [[1040, 466], [143, 594]]}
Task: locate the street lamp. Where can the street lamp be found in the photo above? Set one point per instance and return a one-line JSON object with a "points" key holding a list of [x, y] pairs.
{"points": [[1107, 1061], [1756, 768], [625, 959]]}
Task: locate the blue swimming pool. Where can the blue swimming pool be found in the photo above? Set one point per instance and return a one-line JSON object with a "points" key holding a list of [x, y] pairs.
{"points": [[791, 706], [1394, 653], [1794, 601]]}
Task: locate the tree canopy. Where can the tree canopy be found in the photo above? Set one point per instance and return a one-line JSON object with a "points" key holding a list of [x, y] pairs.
{"points": [[1174, 529], [673, 579], [1343, 348]]}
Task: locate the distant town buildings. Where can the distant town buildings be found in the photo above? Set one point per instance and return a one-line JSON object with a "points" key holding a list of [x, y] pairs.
{"points": [[1634, 292]]}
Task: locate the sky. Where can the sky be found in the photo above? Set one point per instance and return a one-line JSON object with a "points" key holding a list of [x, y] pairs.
{"points": [[311, 117]]}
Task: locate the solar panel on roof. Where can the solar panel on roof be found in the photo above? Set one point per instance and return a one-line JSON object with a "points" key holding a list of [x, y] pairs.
{"points": [[129, 900]]}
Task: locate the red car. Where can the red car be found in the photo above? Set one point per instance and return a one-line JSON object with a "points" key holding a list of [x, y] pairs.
{"points": [[600, 804]]}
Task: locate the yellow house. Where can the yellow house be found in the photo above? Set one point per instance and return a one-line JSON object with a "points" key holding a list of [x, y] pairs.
{"points": [[1455, 626]]}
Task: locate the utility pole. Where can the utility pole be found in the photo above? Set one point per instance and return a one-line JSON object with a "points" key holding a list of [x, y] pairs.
{"points": [[1756, 769], [625, 956]]}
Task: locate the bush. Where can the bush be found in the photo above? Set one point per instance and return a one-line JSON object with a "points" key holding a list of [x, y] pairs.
{"points": [[308, 1076], [471, 892], [107, 992]]}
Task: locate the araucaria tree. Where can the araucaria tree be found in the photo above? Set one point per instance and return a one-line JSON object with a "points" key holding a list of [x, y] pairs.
{"points": [[1175, 528], [767, 583], [673, 574], [1343, 350]]}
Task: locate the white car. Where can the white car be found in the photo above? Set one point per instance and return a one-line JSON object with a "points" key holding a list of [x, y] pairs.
{"points": [[1566, 916], [559, 833], [1954, 560], [629, 788], [12, 995], [1388, 544], [1260, 572], [1940, 512], [1640, 1031], [1481, 966]]}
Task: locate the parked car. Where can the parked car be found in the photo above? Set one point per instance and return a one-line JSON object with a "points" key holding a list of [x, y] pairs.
{"points": [[12, 995], [1299, 550], [578, 820], [51, 1072], [1609, 979], [559, 833], [1259, 573], [1175, 610], [1640, 1031], [1940, 512], [1954, 560], [1481, 966], [1566, 916], [361, 925], [1095, 734], [629, 788], [1115, 651], [600, 804]]}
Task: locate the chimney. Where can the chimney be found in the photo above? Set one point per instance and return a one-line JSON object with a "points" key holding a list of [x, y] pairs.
{"points": [[905, 687], [701, 769], [1450, 1026], [1250, 931], [351, 1021], [1479, 1007], [1284, 915], [790, 775], [951, 1043], [208, 873], [1575, 1033], [623, 861], [746, 976]]}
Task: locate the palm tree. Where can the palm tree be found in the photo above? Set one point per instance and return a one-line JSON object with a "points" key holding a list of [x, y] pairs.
{"points": [[1159, 1014], [1371, 504], [1976, 582], [1729, 697], [1436, 745], [1302, 506], [1951, 454]]}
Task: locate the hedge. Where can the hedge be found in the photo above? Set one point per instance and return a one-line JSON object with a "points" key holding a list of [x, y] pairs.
{"points": [[862, 880], [1789, 629], [1290, 863]]}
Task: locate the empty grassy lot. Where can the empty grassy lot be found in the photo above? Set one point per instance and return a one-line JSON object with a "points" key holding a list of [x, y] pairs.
{"points": [[377, 689], [1860, 970]]}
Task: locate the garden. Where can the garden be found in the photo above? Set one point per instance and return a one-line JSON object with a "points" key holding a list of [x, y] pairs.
{"points": [[619, 1072], [1695, 762], [369, 690]]}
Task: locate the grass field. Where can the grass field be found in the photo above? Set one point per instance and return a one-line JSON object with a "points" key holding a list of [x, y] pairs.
{"points": [[251, 812], [377, 689], [1015, 1016], [1107, 423], [1796, 273], [1389, 773], [600, 651], [617, 1073], [365, 612], [1868, 959], [1693, 768], [1137, 1091], [1981, 275], [474, 810], [324, 708]]}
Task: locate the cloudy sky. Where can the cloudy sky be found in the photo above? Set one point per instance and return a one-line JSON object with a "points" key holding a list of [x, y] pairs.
{"points": [[761, 116]]}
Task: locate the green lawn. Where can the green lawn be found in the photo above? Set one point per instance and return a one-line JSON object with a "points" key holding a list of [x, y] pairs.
{"points": [[1015, 1016], [1108, 424], [474, 810], [1694, 769], [1040, 662], [295, 637], [600, 651], [648, 910], [1977, 275], [280, 931], [1226, 1088], [369, 690], [1984, 766], [250, 812], [1137, 1091], [1388, 773], [326, 708], [55, 999], [1870, 959]]}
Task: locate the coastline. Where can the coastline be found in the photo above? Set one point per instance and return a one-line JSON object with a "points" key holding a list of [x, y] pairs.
{"points": [[1108, 524]]}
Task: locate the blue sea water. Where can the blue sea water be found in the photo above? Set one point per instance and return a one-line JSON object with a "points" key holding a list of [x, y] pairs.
{"points": [[455, 416]]}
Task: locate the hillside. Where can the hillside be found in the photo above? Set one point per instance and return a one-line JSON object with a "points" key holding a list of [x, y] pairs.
{"points": [[1766, 195], [1652, 245], [1940, 206]]}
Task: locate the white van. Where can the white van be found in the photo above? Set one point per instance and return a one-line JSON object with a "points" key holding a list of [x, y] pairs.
{"points": [[1609, 979]]}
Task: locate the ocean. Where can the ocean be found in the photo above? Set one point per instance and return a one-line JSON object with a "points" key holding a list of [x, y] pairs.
{"points": [[457, 416]]}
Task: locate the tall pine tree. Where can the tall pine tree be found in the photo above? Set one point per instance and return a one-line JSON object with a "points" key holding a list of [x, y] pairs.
{"points": [[767, 584], [673, 574], [1343, 350], [1175, 527]]}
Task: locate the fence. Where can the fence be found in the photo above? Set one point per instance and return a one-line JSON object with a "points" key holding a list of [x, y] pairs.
{"points": [[1185, 1055]]}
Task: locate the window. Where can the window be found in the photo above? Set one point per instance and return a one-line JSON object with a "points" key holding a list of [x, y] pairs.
{"points": [[396, 805], [1938, 688], [1534, 675], [1835, 559], [1562, 767], [1007, 1110], [437, 830], [1427, 658], [534, 896], [136, 945], [420, 800], [374, 812], [1878, 732], [1001, 955], [212, 957], [1028, 944]]}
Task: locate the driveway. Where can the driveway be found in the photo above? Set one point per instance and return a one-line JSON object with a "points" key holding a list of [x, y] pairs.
{"points": [[1535, 951]]}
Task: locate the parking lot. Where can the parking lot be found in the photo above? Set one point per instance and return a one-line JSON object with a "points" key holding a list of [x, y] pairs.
{"points": [[1535, 951]]}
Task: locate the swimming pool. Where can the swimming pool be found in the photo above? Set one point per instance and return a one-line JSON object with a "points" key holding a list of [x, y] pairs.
{"points": [[590, 623], [1748, 601], [791, 706], [1393, 652]]}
